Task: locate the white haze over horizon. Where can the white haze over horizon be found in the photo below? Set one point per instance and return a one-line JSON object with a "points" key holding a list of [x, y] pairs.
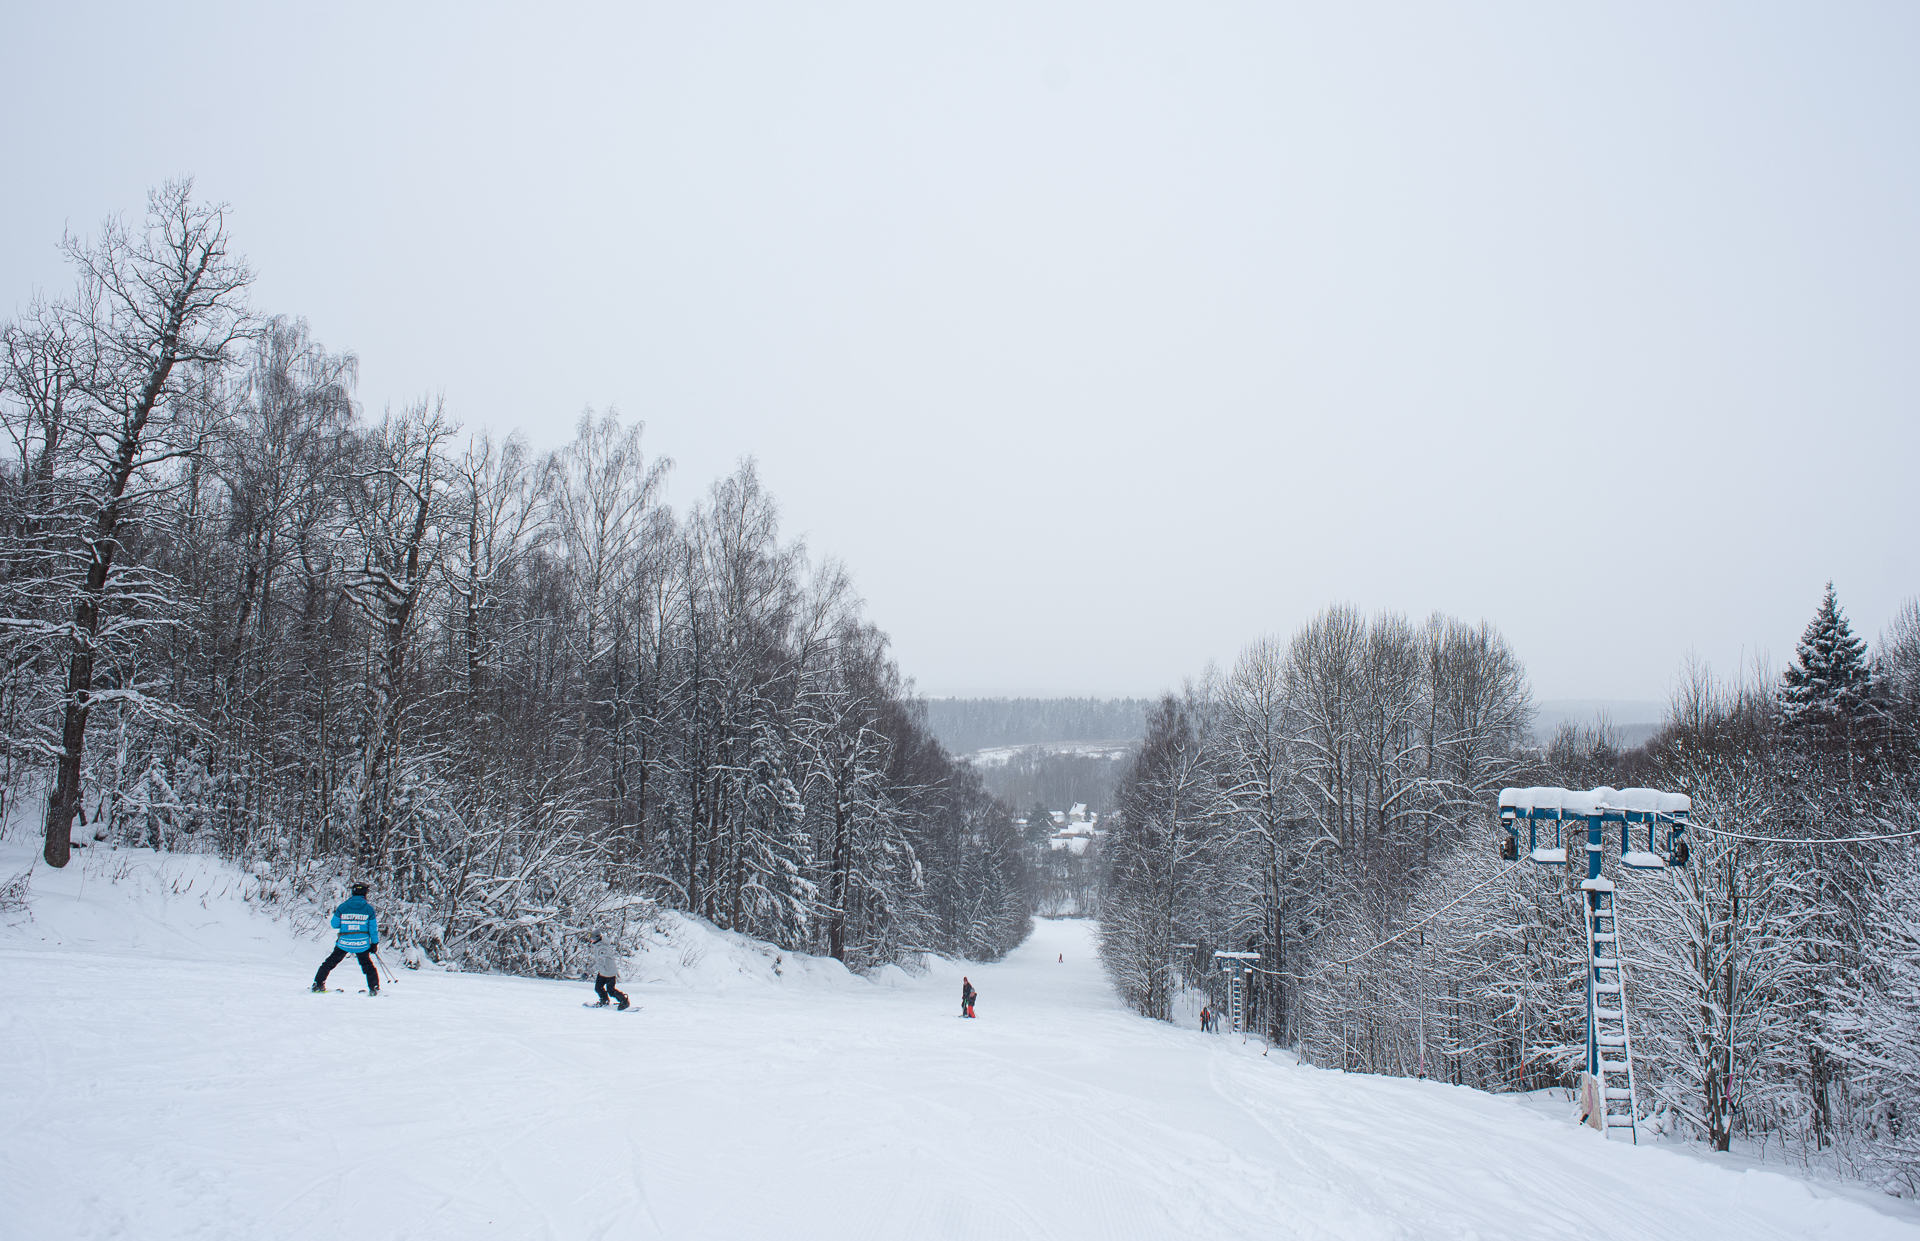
{"points": [[1098, 339]]}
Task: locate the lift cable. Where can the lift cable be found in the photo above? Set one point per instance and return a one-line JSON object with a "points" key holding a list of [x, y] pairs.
{"points": [[1714, 831], [1805, 840], [1499, 874]]}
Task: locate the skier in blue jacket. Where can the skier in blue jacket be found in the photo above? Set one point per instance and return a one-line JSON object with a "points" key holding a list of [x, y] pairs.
{"points": [[359, 934]]}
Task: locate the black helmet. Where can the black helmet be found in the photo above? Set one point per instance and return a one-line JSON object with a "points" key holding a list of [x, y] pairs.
{"points": [[359, 889]]}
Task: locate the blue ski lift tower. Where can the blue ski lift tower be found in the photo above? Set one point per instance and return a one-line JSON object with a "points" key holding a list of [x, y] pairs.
{"points": [[1660, 819]]}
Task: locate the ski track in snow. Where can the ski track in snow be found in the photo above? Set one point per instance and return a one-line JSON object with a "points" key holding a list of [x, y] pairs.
{"points": [[168, 1076]]}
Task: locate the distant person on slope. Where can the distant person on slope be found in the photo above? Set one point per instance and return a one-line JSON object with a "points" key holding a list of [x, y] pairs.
{"points": [[359, 934], [1206, 1019], [967, 996], [606, 969]]}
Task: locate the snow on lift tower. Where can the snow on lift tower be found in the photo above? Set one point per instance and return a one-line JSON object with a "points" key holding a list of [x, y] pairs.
{"points": [[1607, 1087], [1235, 966]]}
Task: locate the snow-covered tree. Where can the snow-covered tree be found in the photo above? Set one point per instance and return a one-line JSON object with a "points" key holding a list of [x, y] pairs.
{"points": [[1828, 689], [1875, 1024], [1708, 950], [107, 398], [1161, 855], [518, 693]]}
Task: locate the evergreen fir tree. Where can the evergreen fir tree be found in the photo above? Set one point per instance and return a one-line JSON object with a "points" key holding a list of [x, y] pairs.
{"points": [[1829, 686], [1039, 825]]}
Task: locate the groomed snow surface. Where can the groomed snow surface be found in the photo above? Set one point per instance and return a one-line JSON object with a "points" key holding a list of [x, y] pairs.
{"points": [[168, 1075]]}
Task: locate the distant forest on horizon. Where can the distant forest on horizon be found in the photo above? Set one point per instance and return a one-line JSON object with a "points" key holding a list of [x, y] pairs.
{"points": [[964, 725]]}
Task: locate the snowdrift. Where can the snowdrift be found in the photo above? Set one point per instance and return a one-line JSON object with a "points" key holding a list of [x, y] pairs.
{"points": [[163, 905]]}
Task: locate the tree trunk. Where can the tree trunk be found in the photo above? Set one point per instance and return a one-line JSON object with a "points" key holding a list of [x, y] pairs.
{"points": [[837, 890], [86, 624]]}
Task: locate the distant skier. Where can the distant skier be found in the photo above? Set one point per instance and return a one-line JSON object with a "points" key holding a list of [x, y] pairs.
{"points": [[967, 996], [359, 934], [1063, 958], [606, 969], [1206, 1020]]}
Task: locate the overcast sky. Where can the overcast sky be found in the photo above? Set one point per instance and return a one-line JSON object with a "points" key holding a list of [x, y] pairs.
{"points": [[1098, 340]]}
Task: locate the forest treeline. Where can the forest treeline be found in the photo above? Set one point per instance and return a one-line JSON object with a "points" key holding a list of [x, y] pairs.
{"points": [[516, 691], [1329, 805], [1055, 779], [967, 724]]}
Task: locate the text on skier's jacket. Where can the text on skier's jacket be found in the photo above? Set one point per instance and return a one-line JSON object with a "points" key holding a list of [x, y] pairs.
{"points": [[355, 922]]}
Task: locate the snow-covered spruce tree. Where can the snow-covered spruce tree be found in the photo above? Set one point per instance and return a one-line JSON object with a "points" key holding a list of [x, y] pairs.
{"points": [[1849, 749], [1827, 692]]}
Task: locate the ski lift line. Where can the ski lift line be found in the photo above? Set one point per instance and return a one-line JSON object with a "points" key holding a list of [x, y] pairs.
{"points": [[1383, 943], [1803, 840], [1429, 918]]}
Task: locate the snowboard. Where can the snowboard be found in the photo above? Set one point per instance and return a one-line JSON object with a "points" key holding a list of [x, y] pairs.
{"points": [[614, 1008]]}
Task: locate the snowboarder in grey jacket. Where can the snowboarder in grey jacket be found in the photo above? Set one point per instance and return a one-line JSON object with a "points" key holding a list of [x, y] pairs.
{"points": [[606, 969]]}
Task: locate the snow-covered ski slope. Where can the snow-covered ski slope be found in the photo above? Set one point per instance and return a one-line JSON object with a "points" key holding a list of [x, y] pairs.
{"points": [[167, 1075]]}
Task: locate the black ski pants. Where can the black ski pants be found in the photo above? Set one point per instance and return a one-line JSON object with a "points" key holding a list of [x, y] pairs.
{"points": [[340, 954], [604, 988]]}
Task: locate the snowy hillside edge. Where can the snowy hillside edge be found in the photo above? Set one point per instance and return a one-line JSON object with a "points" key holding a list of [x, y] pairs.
{"points": [[180, 904]]}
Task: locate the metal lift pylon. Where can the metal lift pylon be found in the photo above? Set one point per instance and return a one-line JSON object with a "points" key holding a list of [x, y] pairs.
{"points": [[1609, 1040], [1234, 966]]}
